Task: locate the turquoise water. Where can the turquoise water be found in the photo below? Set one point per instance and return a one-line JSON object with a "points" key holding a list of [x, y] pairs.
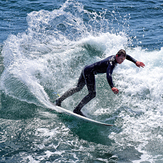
{"points": [[43, 47]]}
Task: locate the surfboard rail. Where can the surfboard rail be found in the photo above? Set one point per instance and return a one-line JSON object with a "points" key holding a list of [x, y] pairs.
{"points": [[63, 110]]}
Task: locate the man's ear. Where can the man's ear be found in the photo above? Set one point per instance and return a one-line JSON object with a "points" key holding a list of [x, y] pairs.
{"points": [[116, 55]]}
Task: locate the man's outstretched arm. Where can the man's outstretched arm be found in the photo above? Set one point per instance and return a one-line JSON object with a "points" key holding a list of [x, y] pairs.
{"points": [[138, 63], [109, 78]]}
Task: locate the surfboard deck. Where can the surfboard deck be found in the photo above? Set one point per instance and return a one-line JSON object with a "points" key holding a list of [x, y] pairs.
{"points": [[68, 112]]}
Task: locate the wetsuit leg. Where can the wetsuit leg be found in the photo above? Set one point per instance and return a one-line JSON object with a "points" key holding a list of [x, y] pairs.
{"points": [[81, 83], [90, 82]]}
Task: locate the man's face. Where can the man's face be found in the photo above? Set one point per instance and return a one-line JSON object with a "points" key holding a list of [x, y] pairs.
{"points": [[120, 59]]}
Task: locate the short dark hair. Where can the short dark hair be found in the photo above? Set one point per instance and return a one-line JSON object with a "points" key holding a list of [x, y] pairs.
{"points": [[121, 52]]}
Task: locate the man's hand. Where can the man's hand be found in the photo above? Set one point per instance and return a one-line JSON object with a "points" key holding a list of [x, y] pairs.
{"points": [[115, 90], [140, 64]]}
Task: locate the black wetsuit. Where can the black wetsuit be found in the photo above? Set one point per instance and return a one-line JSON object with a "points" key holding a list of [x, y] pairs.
{"points": [[87, 78]]}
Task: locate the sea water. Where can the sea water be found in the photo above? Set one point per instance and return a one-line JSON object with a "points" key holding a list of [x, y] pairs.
{"points": [[44, 45]]}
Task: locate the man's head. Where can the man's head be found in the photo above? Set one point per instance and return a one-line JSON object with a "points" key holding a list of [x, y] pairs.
{"points": [[121, 56]]}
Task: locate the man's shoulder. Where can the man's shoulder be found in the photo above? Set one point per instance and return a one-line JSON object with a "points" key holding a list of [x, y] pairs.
{"points": [[110, 58]]}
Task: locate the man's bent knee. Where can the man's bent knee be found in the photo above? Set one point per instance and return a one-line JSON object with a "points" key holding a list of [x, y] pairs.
{"points": [[78, 89], [92, 94]]}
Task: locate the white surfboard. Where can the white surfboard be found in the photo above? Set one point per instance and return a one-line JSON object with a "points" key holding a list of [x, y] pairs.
{"points": [[81, 117]]}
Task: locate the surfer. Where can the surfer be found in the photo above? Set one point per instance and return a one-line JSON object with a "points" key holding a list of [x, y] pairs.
{"points": [[87, 78]]}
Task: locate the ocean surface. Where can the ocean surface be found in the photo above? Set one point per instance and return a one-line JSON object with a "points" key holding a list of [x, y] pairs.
{"points": [[44, 44]]}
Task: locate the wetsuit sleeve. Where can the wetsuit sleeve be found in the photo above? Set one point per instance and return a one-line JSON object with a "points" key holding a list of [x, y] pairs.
{"points": [[128, 57], [109, 75]]}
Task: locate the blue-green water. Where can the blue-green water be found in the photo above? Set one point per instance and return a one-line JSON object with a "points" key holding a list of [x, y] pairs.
{"points": [[43, 47]]}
